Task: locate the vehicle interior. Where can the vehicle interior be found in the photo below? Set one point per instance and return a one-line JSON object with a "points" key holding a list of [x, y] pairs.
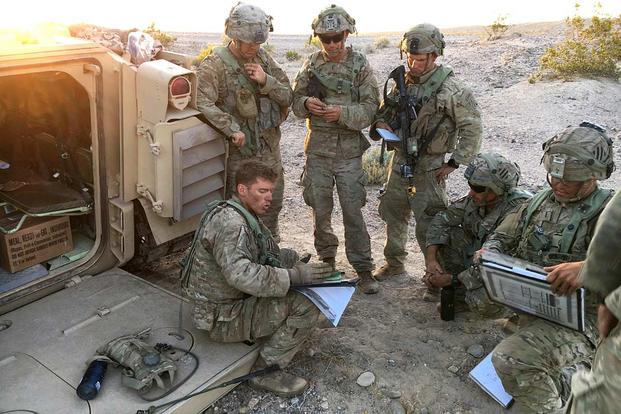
{"points": [[46, 170]]}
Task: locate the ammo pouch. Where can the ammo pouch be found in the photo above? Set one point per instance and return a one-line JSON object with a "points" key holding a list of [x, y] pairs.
{"points": [[246, 103], [270, 114], [538, 242]]}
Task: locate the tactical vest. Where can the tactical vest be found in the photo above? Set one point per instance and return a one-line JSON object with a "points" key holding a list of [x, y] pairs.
{"points": [[258, 112], [268, 251], [555, 244], [344, 87], [427, 107]]}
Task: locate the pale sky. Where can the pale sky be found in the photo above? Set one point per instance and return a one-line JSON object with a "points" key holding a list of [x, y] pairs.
{"points": [[292, 17]]}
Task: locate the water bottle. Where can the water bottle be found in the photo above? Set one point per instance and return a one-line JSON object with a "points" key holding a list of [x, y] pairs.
{"points": [[447, 303], [92, 379]]}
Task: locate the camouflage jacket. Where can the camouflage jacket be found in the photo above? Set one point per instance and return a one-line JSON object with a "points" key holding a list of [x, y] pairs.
{"points": [[218, 86], [539, 240], [452, 112], [225, 267], [476, 223], [602, 270], [358, 103]]}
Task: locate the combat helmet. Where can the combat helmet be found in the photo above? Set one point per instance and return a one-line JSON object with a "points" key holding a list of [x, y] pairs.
{"points": [[579, 153], [421, 39], [248, 23], [493, 171], [333, 19]]}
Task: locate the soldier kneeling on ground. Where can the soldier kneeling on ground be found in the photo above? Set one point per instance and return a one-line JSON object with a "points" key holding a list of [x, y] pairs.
{"points": [[239, 280], [555, 227], [456, 233]]}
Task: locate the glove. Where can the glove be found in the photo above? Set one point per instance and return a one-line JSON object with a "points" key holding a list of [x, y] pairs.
{"points": [[309, 273], [288, 258]]}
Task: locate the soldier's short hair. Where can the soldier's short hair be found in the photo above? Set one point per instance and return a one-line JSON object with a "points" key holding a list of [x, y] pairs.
{"points": [[249, 171]]}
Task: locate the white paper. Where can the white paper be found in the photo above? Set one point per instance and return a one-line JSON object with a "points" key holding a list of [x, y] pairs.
{"points": [[523, 286], [484, 374], [387, 135], [331, 301]]}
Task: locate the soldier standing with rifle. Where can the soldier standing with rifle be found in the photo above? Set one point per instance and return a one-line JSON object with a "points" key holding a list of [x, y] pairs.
{"points": [[336, 91], [246, 95], [434, 114]]}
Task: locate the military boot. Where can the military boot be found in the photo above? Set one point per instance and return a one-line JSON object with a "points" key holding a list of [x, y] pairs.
{"points": [[367, 283], [331, 261], [279, 382], [388, 270]]}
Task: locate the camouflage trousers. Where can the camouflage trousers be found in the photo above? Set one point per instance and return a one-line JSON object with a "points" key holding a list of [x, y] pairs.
{"points": [[396, 207], [271, 157], [599, 390], [319, 177], [282, 323], [456, 259], [536, 363]]}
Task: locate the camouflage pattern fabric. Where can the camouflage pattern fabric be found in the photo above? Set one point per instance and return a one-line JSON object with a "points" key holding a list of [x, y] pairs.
{"points": [[536, 363], [530, 362], [599, 390], [461, 230], [334, 152], [218, 86], [455, 113], [235, 298], [319, 177]]}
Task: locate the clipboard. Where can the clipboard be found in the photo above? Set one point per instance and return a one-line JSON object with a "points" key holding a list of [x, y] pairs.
{"points": [[523, 286]]}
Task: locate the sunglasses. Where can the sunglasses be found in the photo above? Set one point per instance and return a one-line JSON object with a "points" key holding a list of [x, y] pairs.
{"points": [[477, 188], [332, 39]]}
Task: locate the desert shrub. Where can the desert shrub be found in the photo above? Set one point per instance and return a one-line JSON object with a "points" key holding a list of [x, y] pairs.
{"points": [[592, 48], [269, 48], [381, 42], [376, 173], [292, 55], [206, 51], [497, 28], [165, 39], [369, 49]]}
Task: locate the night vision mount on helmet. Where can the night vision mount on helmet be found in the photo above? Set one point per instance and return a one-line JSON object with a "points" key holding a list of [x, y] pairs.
{"points": [[333, 19], [421, 39], [579, 153]]}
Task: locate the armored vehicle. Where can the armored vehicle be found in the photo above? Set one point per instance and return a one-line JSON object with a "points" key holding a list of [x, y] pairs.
{"points": [[101, 162]]}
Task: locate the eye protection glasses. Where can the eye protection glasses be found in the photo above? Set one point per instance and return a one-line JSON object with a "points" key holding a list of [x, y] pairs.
{"points": [[477, 188], [325, 39]]}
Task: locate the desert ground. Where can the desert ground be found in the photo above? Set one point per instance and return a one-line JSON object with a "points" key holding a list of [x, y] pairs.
{"points": [[420, 362]]}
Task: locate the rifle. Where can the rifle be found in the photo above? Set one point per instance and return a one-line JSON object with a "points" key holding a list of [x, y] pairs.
{"points": [[406, 113]]}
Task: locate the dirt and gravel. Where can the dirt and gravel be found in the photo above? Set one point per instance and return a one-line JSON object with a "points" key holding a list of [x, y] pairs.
{"points": [[419, 362]]}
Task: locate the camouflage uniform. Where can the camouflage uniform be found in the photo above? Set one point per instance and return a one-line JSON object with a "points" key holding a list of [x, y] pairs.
{"points": [[599, 390], [238, 298], [461, 231], [334, 151], [449, 119], [221, 86], [535, 364]]}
